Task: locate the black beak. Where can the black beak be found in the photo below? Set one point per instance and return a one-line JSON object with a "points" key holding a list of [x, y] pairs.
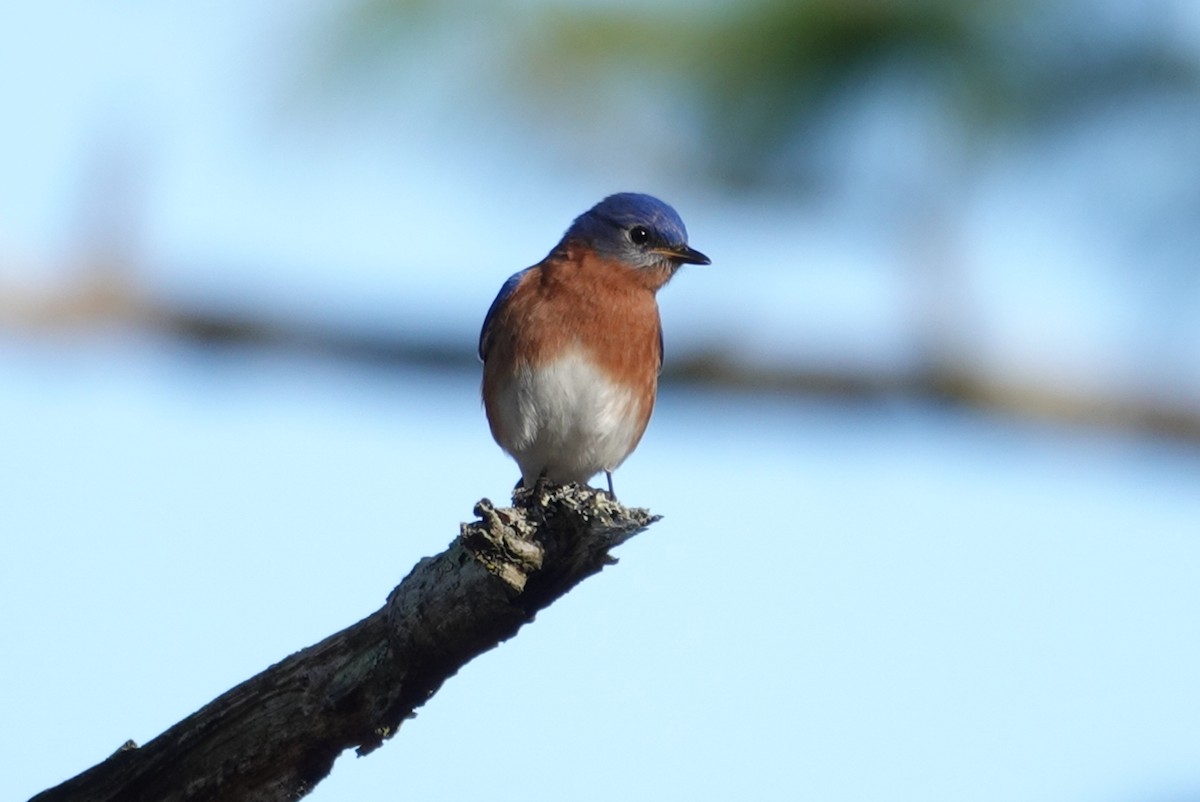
{"points": [[686, 255]]}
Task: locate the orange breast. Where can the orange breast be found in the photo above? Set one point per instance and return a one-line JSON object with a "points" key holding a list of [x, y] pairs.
{"points": [[608, 310]]}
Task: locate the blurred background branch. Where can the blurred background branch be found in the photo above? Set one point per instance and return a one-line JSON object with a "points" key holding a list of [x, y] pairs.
{"points": [[109, 298]]}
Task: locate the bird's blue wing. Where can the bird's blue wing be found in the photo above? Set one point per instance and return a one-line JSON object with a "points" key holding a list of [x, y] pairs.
{"points": [[660, 349], [505, 293]]}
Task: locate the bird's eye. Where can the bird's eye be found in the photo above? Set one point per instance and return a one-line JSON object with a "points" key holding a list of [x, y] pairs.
{"points": [[639, 235]]}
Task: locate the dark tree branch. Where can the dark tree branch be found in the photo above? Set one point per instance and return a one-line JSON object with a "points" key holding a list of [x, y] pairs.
{"points": [[275, 736]]}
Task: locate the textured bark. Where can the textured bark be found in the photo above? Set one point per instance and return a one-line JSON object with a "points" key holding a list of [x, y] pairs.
{"points": [[275, 736]]}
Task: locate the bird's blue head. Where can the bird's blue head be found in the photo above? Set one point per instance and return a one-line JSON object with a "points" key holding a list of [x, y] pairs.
{"points": [[639, 230]]}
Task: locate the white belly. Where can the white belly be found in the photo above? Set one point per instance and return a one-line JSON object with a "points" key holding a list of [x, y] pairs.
{"points": [[567, 420]]}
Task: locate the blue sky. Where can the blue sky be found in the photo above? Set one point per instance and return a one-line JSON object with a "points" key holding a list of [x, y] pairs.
{"points": [[842, 602], [925, 606]]}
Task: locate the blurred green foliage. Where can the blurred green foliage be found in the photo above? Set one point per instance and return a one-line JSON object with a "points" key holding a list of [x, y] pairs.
{"points": [[751, 77]]}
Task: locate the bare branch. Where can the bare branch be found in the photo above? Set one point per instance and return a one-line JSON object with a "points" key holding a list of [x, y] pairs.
{"points": [[275, 736]]}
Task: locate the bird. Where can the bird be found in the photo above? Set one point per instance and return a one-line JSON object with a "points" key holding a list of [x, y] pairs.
{"points": [[572, 347]]}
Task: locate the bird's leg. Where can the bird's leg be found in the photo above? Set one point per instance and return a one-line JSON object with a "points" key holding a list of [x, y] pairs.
{"points": [[532, 489], [608, 475]]}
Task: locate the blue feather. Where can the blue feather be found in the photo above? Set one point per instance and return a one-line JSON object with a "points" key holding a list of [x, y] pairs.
{"points": [[505, 292], [607, 228]]}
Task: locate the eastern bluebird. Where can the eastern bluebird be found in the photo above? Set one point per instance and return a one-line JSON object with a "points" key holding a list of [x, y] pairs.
{"points": [[572, 347]]}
